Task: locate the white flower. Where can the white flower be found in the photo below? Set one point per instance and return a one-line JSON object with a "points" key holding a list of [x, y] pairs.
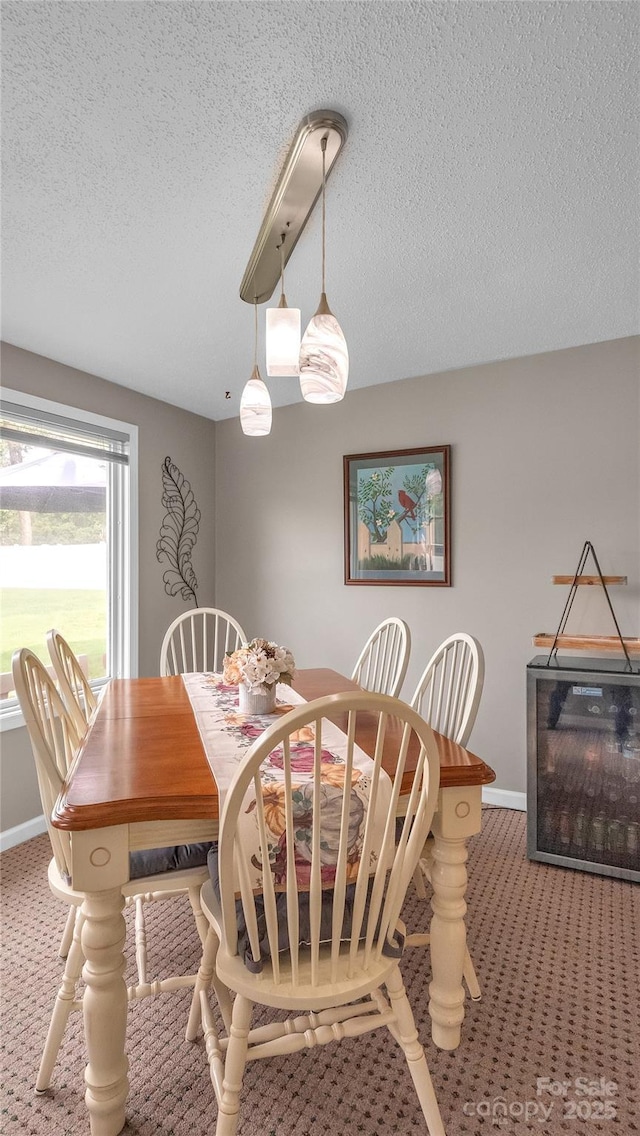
{"points": [[259, 664]]}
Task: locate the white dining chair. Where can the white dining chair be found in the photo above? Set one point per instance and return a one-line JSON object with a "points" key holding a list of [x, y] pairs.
{"points": [[73, 683], [338, 957], [448, 696], [198, 641], [449, 690], [55, 739], [383, 661], [80, 702]]}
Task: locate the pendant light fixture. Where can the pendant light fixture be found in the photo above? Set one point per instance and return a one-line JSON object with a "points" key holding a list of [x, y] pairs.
{"points": [[324, 358], [283, 332], [302, 181], [255, 404]]}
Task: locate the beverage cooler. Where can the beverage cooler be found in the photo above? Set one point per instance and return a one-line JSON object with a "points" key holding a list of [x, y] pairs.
{"points": [[583, 726]]}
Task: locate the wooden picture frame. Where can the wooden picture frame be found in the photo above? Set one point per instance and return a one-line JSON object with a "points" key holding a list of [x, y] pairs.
{"points": [[397, 519]]}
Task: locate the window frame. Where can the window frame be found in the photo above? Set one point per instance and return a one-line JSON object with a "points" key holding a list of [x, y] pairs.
{"points": [[122, 545]]}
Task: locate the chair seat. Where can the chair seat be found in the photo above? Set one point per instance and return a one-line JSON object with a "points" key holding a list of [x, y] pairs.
{"points": [[157, 861], [182, 878], [304, 916], [287, 995]]}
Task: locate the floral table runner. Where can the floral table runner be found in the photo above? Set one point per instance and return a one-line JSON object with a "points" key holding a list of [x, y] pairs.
{"points": [[227, 735]]}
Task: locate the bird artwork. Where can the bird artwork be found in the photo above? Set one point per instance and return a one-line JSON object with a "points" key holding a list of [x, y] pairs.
{"points": [[408, 504]]}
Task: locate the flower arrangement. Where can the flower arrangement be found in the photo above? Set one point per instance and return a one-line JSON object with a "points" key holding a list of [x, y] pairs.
{"points": [[259, 665]]}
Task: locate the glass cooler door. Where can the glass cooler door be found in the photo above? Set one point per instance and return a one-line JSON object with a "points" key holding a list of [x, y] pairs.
{"points": [[584, 765]]}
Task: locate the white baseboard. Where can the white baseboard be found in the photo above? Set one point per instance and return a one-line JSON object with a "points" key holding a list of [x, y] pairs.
{"points": [[505, 798], [21, 832]]}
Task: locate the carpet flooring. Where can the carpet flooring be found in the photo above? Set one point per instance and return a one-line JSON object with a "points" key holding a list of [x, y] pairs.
{"points": [[557, 954]]}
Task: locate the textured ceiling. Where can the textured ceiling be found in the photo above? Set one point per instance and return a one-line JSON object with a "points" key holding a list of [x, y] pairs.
{"points": [[484, 206]]}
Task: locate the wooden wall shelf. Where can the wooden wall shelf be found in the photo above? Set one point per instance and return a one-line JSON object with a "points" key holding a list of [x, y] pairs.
{"points": [[588, 580], [587, 642]]}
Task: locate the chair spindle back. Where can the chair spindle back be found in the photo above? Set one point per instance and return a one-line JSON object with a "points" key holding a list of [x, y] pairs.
{"points": [[384, 659], [448, 693], [54, 740], [323, 843], [198, 641], [74, 685]]}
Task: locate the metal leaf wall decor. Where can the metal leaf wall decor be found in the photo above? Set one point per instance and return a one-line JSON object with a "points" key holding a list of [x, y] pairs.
{"points": [[178, 533]]}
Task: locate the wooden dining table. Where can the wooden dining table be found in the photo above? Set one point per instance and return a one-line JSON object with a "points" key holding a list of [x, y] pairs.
{"points": [[141, 780]]}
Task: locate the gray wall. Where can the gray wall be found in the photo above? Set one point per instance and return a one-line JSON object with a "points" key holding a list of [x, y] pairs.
{"points": [[164, 430], [544, 456]]}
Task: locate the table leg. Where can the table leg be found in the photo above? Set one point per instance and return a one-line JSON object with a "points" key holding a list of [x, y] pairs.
{"points": [[105, 1011], [458, 816], [448, 941], [100, 867]]}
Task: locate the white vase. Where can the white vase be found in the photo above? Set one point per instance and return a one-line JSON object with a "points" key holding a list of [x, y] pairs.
{"points": [[256, 701]]}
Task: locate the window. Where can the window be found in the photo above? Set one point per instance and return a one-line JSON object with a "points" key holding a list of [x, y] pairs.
{"points": [[68, 531]]}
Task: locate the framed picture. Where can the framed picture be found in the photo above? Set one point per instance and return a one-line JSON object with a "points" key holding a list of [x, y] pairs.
{"points": [[397, 517]]}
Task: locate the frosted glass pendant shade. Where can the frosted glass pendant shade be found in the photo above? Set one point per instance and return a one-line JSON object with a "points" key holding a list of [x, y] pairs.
{"points": [[255, 407], [324, 358], [283, 341]]}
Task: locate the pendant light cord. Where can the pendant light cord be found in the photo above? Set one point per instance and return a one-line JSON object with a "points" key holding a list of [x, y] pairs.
{"points": [[323, 145], [255, 335], [282, 265]]}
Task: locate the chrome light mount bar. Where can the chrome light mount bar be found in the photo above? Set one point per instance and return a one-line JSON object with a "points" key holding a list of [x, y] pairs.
{"points": [[294, 197]]}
